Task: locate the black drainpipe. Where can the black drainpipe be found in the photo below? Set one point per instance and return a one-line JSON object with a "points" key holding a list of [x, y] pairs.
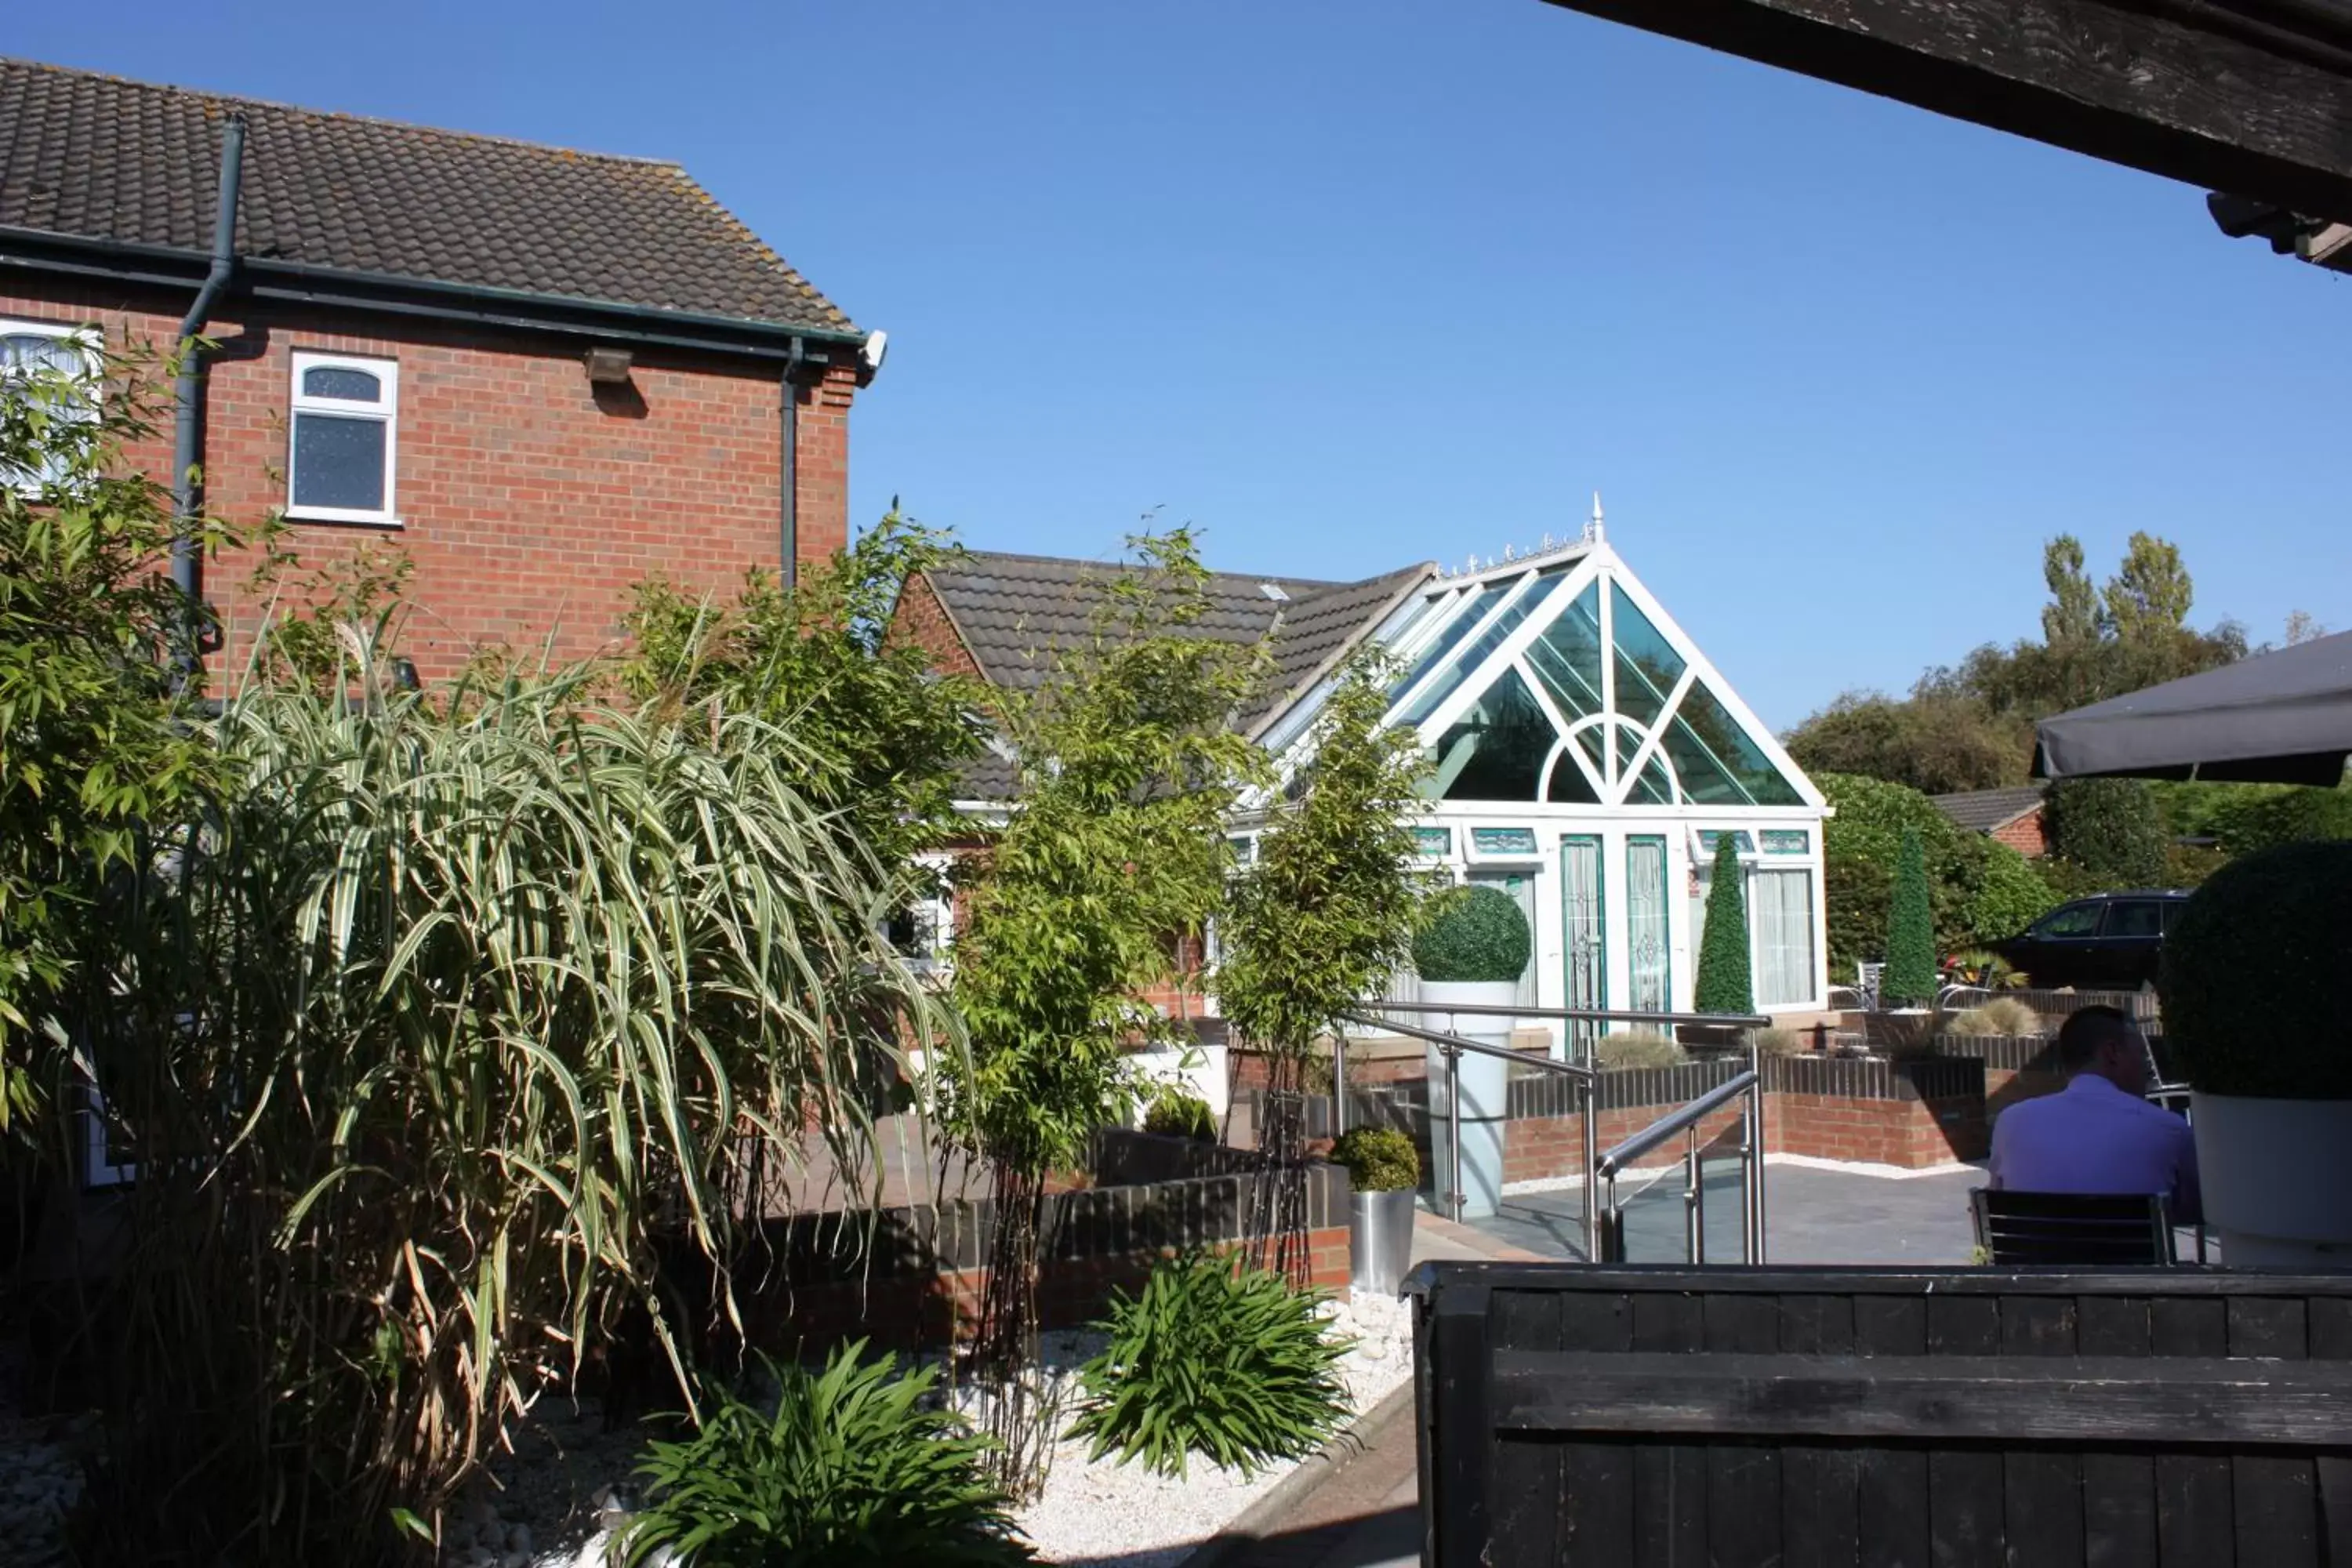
{"points": [[792, 502], [187, 563]]}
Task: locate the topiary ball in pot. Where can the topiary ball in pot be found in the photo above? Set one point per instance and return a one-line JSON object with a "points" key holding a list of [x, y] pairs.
{"points": [[1379, 1160], [2252, 987], [1478, 934]]}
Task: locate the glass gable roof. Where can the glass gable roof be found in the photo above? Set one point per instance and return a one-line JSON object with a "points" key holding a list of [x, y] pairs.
{"points": [[1573, 708]]}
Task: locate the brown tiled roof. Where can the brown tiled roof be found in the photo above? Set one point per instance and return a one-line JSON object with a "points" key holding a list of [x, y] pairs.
{"points": [[98, 157], [1015, 612], [1986, 810]]}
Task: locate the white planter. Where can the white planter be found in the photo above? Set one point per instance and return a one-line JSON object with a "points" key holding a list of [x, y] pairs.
{"points": [[2277, 1176], [1484, 1082]]}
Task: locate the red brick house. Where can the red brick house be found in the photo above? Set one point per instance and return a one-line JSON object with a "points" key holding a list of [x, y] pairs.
{"points": [[542, 373], [2017, 816]]}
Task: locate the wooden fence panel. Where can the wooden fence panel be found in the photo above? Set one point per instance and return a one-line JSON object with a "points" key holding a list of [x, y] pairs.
{"points": [[1622, 1418]]}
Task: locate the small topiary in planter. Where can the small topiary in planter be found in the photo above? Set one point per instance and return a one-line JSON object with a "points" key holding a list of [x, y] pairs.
{"points": [[1379, 1160], [2252, 985], [1176, 1114], [1477, 935]]}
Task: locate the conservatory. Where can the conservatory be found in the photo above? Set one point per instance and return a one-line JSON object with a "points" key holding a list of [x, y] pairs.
{"points": [[1586, 759]]}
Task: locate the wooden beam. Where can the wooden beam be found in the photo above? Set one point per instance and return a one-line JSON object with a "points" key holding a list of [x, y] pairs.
{"points": [[2108, 1400], [2254, 100]]}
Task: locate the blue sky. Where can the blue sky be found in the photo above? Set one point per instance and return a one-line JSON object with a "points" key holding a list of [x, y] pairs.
{"points": [[1351, 285]]}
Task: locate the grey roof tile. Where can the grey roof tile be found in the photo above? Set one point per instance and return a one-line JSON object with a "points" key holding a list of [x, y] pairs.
{"points": [[1986, 809], [98, 157], [1017, 612]]}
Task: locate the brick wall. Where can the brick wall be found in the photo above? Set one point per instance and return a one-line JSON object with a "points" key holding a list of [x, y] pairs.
{"points": [[922, 619], [2028, 835], [530, 500]]}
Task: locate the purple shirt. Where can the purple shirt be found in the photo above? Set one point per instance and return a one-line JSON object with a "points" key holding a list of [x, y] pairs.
{"points": [[2095, 1138]]}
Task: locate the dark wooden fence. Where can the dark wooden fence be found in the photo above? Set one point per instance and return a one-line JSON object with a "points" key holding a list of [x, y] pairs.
{"points": [[1635, 1417]]}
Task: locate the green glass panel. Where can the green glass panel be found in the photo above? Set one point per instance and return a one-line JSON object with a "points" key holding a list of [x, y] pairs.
{"points": [[1584, 926], [1437, 841], [1569, 785], [1503, 840], [1468, 659], [1647, 666], [1709, 837], [1652, 787], [1566, 657], [1718, 763], [1786, 841], [1498, 750], [1463, 623]]}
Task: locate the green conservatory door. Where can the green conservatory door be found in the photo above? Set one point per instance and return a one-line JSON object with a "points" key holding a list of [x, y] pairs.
{"points": [[1649, 962], [1584, 943]]}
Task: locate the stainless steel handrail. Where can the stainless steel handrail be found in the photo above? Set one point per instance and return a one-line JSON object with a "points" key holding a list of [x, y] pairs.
{"points": [[1456, 1042], [1673, 1122], [1581, 1014]]}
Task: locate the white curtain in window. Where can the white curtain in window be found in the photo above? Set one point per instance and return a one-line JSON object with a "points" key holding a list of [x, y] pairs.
{"points": [[1647, 958], [1780, 910]]}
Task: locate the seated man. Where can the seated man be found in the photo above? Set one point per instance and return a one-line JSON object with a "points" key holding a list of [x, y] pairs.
{"points": [[2098, 1134]]}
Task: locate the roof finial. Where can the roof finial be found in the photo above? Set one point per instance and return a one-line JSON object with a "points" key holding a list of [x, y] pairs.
{"points": [[1596, 532]]}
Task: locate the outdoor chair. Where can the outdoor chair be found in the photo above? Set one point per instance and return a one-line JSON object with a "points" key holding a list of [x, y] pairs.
{"points": [[2076, 1229]]}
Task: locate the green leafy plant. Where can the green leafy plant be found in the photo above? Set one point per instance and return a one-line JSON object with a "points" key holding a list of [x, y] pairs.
{"points": [[1909, 979], [95, 739], [1174, 1114], [2253, 975], [1378, 1159], [1475, 933], [1988, 969], [2002, 1016], [1637, 1048], [1724, 985], [1319, 922], [1214, 1358], [851, 1467], [1781, 1042]]}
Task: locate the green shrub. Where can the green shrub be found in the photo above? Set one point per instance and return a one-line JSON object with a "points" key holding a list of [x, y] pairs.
{"points": [[1176, 1114], [1781, 1042], [1476, 933], [1724, 984], [1979, 890], [1637, 1048], [849, 1468], [2003, 1016], [1910, 975], [2247, 817], [2111, 828], [2007, 894], [1379, 1160], [1213, 1358], [2253, 977]]}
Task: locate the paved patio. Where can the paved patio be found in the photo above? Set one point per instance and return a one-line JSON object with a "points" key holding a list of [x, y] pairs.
{"points": [[1812, 1216]]}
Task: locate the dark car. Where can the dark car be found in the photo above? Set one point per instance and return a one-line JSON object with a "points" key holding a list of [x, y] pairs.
{"points": [[2110, 941]]}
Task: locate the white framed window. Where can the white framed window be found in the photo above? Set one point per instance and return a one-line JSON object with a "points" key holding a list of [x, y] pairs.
{"points": [[345, 441], [28, 348]]}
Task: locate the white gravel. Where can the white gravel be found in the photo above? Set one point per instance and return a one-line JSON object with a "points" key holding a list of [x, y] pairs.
{"points": [[1128, 1515]]}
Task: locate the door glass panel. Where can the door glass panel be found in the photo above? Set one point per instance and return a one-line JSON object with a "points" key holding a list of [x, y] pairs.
{"points": [[1780, 907], [1584, 931], [1498, 750], [2138, 917], [1647, 666], [1648, 952]]}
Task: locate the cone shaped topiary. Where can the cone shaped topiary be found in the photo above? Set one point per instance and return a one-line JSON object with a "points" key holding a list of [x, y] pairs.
{"points": [[1478, 934], [1910, 977], [1724, 982]]}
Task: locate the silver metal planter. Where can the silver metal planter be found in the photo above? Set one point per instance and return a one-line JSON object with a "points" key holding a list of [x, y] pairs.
{"points": [[1380, 1240]]}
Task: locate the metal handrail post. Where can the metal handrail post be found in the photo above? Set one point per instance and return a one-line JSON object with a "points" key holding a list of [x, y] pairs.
{"points": [[1613, 1227], [1752, 1250], [1453, 1132], [1338, 1084], [1694, 1202], [1592, 1163]]}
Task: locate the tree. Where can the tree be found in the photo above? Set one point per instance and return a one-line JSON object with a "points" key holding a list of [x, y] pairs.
{"points": [[1909, 979], [1323, 918], [1724, 984], [96, 737], [2147, 599], [2071, 618], [2302, 626], [1937, 743], [1128, 766], [1979, 890], [882, 737], [2111, 829]]}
